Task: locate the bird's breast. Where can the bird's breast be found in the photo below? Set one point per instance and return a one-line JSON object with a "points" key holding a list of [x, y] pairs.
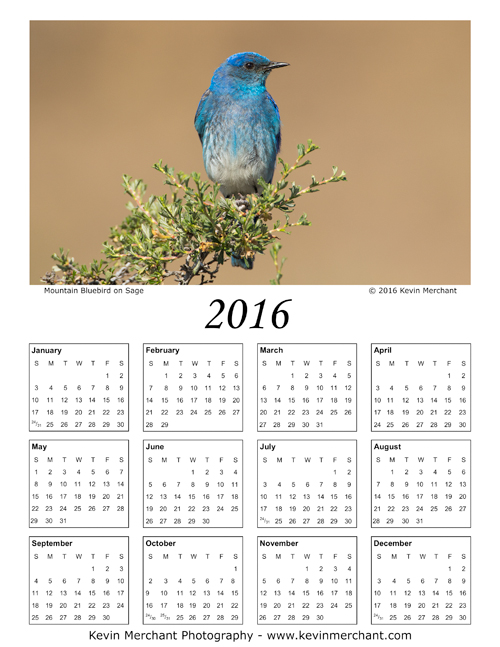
{"points": [[239, 147]]}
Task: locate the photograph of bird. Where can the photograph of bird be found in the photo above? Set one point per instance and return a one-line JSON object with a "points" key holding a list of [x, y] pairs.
{"points": [[239, 126]]}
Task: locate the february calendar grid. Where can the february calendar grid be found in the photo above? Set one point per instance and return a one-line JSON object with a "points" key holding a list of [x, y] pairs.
{"points": [[193, 387]]}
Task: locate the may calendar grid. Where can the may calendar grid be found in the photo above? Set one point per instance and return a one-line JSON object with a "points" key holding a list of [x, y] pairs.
{"points": [[79, 483], [196, 489]]}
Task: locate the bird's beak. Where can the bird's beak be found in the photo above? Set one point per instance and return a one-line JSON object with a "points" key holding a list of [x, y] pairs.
{"points": [[273, 64]]}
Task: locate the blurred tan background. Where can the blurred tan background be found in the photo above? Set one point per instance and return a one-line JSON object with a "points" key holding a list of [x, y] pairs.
{"points": [[388, 102]]}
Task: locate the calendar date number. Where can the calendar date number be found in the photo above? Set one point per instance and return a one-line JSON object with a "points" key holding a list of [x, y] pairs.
{"points": [[238, 311]]}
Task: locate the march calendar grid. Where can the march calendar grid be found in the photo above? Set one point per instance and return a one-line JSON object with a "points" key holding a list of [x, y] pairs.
{"points": [[307, 387]]}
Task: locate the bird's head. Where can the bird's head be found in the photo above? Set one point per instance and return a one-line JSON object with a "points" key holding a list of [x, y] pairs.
{"points": [[245, 70]]}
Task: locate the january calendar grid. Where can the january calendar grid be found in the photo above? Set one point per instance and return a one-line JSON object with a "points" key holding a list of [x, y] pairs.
{"points": [[78, 387], [301, 483]]}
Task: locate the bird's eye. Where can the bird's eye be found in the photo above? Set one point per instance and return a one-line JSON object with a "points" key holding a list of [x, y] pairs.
{"points": [[249, 66]]}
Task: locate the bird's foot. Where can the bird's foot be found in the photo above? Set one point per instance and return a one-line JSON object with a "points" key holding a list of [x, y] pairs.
{"points": [[241, 203]]}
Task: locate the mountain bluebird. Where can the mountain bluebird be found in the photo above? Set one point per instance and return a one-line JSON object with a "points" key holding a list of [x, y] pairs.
{"points": [[239, 127]]}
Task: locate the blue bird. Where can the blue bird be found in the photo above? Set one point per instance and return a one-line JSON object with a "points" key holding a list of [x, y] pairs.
{"points": [[238, 123]]}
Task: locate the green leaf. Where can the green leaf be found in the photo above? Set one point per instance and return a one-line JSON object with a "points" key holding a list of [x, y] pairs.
{"points": [[195, 225]]}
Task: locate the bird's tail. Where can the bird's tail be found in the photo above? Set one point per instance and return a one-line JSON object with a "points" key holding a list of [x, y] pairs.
{"points": [[237, 261]]}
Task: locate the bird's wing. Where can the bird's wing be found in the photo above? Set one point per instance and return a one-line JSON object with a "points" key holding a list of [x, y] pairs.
{"points": [[275, 121], [200, 117]]}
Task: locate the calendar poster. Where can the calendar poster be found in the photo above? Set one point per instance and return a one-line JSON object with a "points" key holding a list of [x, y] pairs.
{"points": [[250, 361]]}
